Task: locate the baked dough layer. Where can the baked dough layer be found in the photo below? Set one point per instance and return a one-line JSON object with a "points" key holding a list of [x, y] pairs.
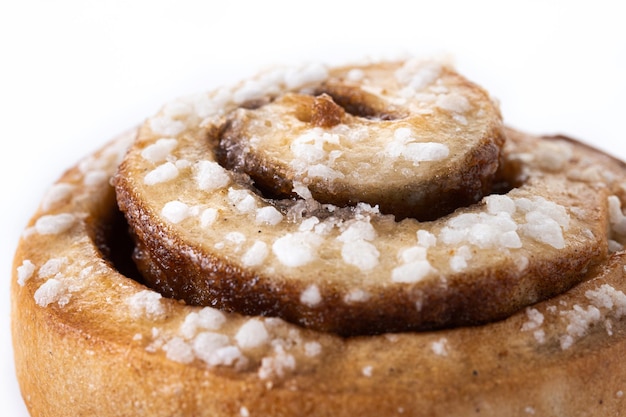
{"points": [[91, 341], [209, 236], [415, 139]]}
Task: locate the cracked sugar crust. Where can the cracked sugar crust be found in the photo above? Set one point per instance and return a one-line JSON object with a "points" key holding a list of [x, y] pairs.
{"points": [[481, 263]]}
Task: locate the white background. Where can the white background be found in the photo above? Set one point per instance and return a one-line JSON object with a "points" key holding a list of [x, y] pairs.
{"points": [[75, 73]]}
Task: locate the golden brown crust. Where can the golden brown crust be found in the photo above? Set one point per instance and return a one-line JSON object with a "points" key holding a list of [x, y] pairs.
{"points": [[91, 340]]}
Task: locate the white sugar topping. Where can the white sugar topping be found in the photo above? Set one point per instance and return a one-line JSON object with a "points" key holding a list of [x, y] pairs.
{"points": [[96, 178], [165, 126], [235, 237], [608, 297], [254, 89], [302, 191], [358, 230], [57, 194], [208, 342], [357, 296], [210, 175], [206, 319], [426, 239], [606, 302], [427, 151], [482, 229], [268, 215], [274, 81], [453, 102], [176, 211], [543, 229], [417, 74], [243, 200], [146, 304], [277, 365], [311, 156], [553, 156], [25, 272], [182, 164], [312, 349], [535, 319], [440, 347], [52, 267], [362, 210], [580, 320], [550, 209], [207, 107], [178, 350], [52, 291], [306, 75], [545, 222], [247, 204], [458, 262], [182, 107], [411, 272], [215, 350], [415, 266], [323, 171], [614, 246], [499, 203], [228, 356], [311, 296], [297, 249], [404, 145], [110, 156], [540, 336], [357, 249], [208, 217], [413, 253], [361, 254], [54, 224], [252, 334], [256, 254], [163, 173], [308, 224], [616, 216], [160, 150], [87, 272], [355, 75]]}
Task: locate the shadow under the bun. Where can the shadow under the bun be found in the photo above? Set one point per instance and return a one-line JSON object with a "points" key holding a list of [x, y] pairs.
{"points": [[113, 239]]}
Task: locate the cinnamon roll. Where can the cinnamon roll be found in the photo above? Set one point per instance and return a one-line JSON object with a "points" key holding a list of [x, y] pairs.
{"points": [[359, 240]]}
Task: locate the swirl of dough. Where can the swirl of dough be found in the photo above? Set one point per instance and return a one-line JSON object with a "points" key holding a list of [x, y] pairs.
{"points": [[209, 234], [79, 311], [415, 139]]}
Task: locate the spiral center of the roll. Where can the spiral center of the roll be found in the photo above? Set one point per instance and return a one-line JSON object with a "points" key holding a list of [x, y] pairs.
{"points": [[350, 146], [325, 113]]}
